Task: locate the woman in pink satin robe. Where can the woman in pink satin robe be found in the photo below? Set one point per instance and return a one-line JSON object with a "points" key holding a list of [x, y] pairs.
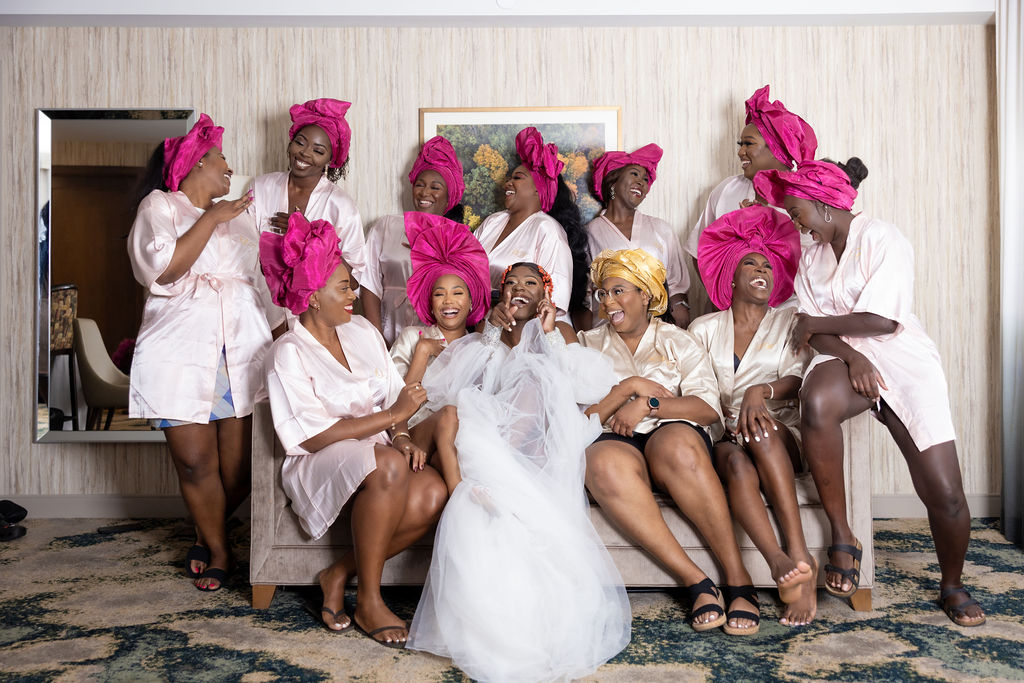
{"points": [[199, 353], [856, 287], [341, 412], [317, 157]]}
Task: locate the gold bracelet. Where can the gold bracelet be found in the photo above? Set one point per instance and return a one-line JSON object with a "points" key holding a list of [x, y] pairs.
{"points": [[398, 434]]}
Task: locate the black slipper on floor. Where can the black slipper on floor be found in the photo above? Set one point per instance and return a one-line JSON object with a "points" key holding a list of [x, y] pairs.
{"points": [[217, 574], [11, 512], [196, 553]]}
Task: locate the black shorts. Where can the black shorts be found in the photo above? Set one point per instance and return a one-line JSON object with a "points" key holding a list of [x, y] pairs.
{"points": [[639, 441]]}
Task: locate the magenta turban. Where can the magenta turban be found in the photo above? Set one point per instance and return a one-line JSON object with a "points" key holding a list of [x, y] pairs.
{"points": [[816, 180], [543, 163], [647, 156], [330, 116], [790, 138], [299, 262], [182, 153], [439, 247], [760, 229], [438, 155]]}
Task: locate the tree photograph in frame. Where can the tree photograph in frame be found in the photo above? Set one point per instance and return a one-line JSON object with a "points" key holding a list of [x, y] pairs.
{"points": [[484, 140]]}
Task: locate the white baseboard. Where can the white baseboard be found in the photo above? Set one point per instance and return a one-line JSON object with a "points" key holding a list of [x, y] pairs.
{"points": [[111, 506], [908, 505]]}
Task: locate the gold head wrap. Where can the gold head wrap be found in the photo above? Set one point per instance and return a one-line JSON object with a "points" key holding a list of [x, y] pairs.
{"points": [[635, 266]]}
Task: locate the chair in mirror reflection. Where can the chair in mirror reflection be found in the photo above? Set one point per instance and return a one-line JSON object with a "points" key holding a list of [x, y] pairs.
{"points": [[104, 386]]}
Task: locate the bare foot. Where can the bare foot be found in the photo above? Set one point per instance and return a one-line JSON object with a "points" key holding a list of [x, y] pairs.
{"points": [[371, 616], [332, 582], [790, 584], [802, 611]]}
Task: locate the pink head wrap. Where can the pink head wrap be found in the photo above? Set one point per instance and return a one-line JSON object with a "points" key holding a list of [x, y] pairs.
{"points": [[438, 155], [543, 163], [299, 262], [815, 180], [182, 153], [724, 243], [443, 247], [330, 116], [790, 139], [647, 156]]}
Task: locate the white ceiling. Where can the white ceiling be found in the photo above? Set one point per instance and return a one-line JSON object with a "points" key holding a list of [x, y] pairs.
{"points": [[492, 12]]}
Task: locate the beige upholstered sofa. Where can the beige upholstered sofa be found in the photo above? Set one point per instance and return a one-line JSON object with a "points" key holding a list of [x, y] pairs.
{"points": [[282, 554]]}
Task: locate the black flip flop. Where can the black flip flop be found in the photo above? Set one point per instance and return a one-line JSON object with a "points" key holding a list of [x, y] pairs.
{"points": [[370, 634], [334, 615]]}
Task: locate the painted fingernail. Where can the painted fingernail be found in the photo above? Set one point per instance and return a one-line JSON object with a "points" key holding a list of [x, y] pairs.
{"points": [[775, 427], [756, 438], [766, 435]]}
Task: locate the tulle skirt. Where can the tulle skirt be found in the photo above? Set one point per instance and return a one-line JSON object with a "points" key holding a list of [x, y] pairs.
{"points": [[520, 587]]}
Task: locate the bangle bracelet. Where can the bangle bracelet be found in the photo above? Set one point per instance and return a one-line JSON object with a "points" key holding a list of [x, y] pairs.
{"points": [[771, 389], [391, 418], [681, 302], [398, 434]]}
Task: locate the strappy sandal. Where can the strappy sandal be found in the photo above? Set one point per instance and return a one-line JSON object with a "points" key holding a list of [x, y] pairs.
{"points": [[696, 590], [852, 574], [196, 553], [748, 593], [959, 611]]}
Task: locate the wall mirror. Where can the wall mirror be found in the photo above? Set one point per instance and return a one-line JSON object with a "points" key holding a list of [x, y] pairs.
{"points": [[89, 306]]}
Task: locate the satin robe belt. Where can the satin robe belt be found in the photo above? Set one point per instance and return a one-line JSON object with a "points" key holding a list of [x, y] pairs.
{"points": [[206, 282]]}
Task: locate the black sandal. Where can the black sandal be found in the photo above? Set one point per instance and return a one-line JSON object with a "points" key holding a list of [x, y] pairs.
{"points": [[852, 574], [196, 553], [959, 611], [748, 593], [696, 590], [217, 574]]}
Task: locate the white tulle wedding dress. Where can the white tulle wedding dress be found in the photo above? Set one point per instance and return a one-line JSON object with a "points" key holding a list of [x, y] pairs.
{"points": [[520, 586]]}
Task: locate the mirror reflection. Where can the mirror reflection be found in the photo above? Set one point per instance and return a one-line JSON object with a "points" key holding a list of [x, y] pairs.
{"points": [[90, 306]]}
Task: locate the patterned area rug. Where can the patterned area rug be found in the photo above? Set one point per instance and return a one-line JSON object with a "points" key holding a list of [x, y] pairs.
{"points": [[80, 605]]}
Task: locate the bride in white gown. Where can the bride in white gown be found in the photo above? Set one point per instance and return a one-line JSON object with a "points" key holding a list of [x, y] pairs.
{"points": [[520, 586]]}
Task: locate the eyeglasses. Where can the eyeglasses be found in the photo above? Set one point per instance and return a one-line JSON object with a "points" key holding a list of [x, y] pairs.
{"points": [[615, 292]]}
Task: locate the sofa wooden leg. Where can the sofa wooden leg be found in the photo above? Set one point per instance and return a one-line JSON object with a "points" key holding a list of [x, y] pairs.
{"points": [[263, 594], [860, 601]]}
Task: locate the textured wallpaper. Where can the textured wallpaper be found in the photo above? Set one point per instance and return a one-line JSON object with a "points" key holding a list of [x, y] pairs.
{"points": [[915, 103]]}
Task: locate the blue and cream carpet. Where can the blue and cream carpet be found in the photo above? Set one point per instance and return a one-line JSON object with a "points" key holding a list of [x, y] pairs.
{"points": [[79, 605]]}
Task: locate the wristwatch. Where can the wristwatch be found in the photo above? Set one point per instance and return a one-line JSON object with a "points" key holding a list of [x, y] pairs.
{"points": [[653, 404]]}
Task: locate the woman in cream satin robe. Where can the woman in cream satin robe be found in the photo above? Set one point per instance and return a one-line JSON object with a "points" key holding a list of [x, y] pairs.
{"points": [[656, 422], [747, 260], [199, 353]]}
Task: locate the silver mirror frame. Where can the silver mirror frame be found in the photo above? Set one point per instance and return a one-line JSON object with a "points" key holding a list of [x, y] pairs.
{"points": [[44, 144]]}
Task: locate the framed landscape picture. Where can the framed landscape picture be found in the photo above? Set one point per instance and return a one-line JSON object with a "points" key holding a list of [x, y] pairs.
{"points": [[484, 140]]}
